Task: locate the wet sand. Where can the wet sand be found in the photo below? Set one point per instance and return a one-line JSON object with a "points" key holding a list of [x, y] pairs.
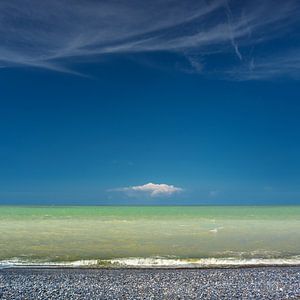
{"points": [[242, 283]]}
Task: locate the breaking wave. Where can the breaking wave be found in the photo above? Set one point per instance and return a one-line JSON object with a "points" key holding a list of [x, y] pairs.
{"points": [[155, 262]]}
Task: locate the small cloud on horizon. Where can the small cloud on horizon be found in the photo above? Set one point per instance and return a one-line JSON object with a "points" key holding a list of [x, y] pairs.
{"points": [[150, 189]]}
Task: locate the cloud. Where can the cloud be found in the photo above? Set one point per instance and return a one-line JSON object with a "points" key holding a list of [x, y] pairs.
{"points": [[55, 34], [274, 66], [151, 189]]}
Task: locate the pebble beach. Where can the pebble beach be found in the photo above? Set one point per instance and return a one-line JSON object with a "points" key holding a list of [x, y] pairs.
{"points": [[243, 283]]}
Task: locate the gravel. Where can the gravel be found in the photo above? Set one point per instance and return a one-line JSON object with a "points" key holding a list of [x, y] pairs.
{"points": [[251, 283]]}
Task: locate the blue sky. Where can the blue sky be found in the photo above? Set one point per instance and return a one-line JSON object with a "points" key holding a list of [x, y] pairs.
{"points": [[161, 102]]}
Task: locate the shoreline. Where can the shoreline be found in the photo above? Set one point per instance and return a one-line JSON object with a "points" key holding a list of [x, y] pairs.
{"points": [[154, 263], [49, 267]]}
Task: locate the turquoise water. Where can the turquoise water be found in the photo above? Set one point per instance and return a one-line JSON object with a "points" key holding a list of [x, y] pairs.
{"points": [[146, 236]]}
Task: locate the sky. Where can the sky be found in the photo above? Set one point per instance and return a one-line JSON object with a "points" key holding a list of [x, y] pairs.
{"points": [[149, 102]]}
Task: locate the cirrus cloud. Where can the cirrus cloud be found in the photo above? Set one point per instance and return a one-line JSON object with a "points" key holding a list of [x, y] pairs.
{"points": [[150, 189], [55, 34]]}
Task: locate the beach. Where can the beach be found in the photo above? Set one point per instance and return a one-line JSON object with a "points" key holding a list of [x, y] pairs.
{"points": [[212, 252], [240, 283]]}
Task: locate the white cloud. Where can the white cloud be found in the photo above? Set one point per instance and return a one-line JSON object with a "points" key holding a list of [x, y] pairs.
{"points": [[151, 189], [274, 66], [47, 34]]}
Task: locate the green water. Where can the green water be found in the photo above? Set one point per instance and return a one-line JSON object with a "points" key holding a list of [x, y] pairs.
{"points": [[86, 232]]}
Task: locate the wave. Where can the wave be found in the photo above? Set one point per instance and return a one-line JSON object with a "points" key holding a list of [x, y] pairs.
{"points": [[203, 262], [15, 262], [155, 262]]}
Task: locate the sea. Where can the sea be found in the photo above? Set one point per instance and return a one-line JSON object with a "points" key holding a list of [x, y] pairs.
{"points": [[149, 236]]}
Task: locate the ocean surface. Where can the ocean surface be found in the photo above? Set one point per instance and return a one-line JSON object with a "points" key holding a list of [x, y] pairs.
{"points": [[145, 236]]}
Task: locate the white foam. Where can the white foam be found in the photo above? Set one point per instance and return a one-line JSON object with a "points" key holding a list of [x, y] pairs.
{"points": [[16, 262], [157, 262], [203, 262], [215, 230]]}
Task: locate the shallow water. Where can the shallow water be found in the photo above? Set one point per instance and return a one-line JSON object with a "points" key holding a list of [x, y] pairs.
{"points": [[146, 236]]}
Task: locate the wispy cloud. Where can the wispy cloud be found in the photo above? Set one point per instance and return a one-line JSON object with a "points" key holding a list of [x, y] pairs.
{"points": [[47, 34], [273, 66], [150, 189]]}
